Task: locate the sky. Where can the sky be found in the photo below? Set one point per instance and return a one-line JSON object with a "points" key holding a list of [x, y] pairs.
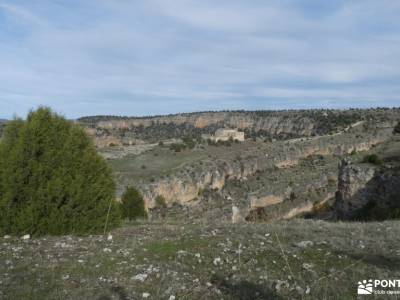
{"points": [[126, 57]]}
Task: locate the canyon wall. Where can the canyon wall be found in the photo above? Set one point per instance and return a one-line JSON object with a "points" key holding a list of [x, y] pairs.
{"points": [[186, 187], [301, 126], [285, 124], [367, 191]]}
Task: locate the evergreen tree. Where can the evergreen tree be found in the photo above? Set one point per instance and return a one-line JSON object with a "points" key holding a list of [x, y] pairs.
{"points": [[52, 181], [133, 204]]}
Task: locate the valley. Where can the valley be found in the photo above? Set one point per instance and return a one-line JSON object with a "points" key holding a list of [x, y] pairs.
{"points": [[264, 178], [293, 211]]}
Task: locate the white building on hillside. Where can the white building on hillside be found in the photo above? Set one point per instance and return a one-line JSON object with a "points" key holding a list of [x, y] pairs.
{"points": [[223, 134]]}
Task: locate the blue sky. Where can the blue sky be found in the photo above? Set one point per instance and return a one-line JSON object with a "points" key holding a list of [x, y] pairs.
{"points": [[87, 57]]}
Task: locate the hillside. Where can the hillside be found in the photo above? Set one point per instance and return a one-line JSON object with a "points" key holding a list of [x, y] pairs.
{"points": [[266, 218], [286, 260], [264, 180], [261, 124]]}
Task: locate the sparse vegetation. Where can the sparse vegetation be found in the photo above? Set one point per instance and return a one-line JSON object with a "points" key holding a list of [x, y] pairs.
{"points": [[189, 142], [372, 159], [227, 143], [177, 147], [372, 212], [160, 201], [288, 260]]}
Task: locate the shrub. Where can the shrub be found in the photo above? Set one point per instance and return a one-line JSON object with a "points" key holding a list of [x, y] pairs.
{"points": [[161, 205], [52, 181], [132, 204], [189, 142], [292, 196], [177, 147], [160, 201], [372, 159]]}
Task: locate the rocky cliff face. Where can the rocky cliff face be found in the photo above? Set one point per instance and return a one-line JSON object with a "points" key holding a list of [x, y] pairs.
{"points": [[296, 125], [367, 192], [354, 188], [187, 186], [283, 124]]}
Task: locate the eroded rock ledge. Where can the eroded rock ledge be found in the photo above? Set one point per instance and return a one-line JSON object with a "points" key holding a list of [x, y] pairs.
{"points": [[184, 188]]}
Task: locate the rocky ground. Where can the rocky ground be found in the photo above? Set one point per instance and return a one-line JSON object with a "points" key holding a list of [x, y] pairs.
{"points": [[298, 259]]}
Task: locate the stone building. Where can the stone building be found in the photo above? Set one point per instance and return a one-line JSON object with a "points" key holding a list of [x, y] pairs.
{"points": [[223, 134]]}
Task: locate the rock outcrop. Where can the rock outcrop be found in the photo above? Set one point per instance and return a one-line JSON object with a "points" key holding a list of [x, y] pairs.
{"points": [[367, 192], [354, 189], [276, 124], [212, 175]]}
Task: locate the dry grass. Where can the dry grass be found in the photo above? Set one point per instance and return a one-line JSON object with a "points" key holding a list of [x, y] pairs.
{"points": [[182, 260]]}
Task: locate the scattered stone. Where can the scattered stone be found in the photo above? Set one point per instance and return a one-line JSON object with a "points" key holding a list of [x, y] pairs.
{"points": [[26, 237], [145, 295], [307, 266], [304, 244], [300, 290], [308, 290], [109, 237], [140, 277], [236, 215], [281, 284], [172, 297], [217, 261]]}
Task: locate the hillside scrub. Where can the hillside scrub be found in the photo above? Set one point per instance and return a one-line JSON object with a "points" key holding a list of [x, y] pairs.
{"points": [[372, 159], [52, 181]]}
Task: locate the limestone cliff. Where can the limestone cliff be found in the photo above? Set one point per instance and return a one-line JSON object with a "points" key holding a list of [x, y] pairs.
{"points": [[354, 189], [187, 186], [368, 192], [297, 125], [275, 124]]}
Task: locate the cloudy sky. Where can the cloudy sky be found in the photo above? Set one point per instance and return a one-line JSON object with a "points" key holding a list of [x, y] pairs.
{"points": [[129, 57]]}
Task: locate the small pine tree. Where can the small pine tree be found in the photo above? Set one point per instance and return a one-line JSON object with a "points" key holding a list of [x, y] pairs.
{"points": [[160, 201], [161, 204], [372, 159], [132, 204], [52, 181]]}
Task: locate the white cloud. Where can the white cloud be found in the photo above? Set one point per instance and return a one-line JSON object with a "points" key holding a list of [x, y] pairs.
{"points": [[195, 55]]}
